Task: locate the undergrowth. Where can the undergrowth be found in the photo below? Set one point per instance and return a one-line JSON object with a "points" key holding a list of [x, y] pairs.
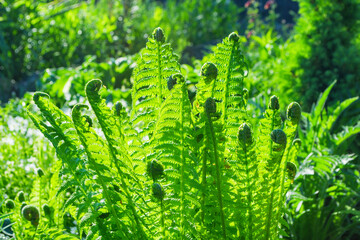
{"points": [[169, 168]]}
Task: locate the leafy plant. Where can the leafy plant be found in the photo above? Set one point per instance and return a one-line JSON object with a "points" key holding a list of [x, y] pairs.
{"points": [[22, 149], [320, 132], [208, 174], [67, 84], [323, 49], [324, 199]]}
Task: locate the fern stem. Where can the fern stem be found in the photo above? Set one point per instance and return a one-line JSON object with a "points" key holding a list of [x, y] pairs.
{"points": [[130, 202], [272, 128], [270, 207], [227, 82], [218, 175], [283, 166], [108, 200], [40, 195], [160, 97], [269, 215], [271, 183], [203, 196], [162, 220], [182, 190], [282, 179], [34, 233], [249, 193]]}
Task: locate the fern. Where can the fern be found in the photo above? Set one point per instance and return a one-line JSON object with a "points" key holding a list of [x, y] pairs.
{"points": [[321, 126], [173, 143], [246, 174], [156, 64], [215, 156], [171, 169]]}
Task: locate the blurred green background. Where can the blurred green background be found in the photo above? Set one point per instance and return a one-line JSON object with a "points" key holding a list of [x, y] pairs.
{"points": [[294, 49]]}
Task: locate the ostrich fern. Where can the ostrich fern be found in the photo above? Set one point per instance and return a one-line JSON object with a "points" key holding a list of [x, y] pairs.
{"points": [[171, 169]]}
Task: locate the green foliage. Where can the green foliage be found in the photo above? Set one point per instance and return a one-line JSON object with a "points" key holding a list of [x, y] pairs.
{"points": [[324, 199], [214, 19], [36, 35], [325, 195], [320, 131], [324, 49], [208, 174], [67, 84], [22, 150]]}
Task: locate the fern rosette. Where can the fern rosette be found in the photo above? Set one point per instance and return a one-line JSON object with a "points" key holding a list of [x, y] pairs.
{"points": [[169, 169]]}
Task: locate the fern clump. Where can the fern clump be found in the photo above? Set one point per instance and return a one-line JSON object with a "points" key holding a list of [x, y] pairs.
{"points": [[171, 169]]}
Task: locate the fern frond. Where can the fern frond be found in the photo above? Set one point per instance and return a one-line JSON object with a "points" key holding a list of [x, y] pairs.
{"points": [[63, 136], [227, 89], [56, 200], [173, 143], [247, 179], [156, 64], [213, 145], [61, 133], [270, 122], [99, 160], [109, 125]]}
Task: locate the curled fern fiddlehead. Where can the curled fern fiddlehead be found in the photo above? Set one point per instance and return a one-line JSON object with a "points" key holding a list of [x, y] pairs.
{"points": [[37, 96], [158, 35], [10, 204], [32, 214], [40, 172], [209, 72], [20, 196], [278, 136], [155, 170], [158, 191], [46, 209], [118, 108], [291, 171], [245, 135], [297, 142], [234, 37], [274, 103], [210, 106], [174, 79], [294, 112]]}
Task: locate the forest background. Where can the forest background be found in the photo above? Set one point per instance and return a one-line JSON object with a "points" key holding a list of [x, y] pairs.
{"points": [[306, 51]]}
